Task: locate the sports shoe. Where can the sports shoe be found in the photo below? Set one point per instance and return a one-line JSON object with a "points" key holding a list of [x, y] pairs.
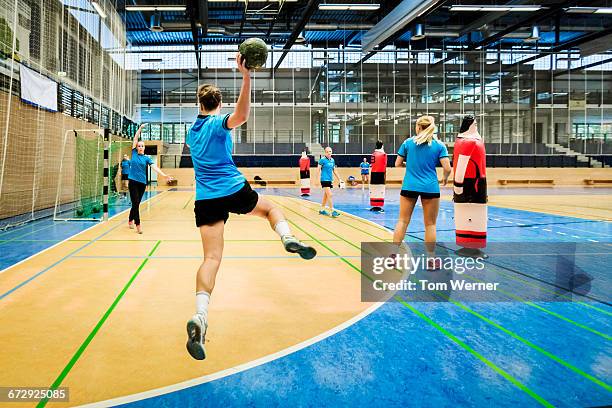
{"points": [[131, 224], [293, 245], [335, 214], [323, 212], [139, 229], [196, 333]]}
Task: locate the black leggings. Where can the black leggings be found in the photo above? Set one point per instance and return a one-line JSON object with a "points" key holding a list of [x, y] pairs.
{"points": [[137, 190]]}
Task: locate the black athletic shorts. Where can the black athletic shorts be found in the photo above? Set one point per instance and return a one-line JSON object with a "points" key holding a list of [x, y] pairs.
{"points": [[416, 194], [124, 177], [210, 211], [327, 184]]}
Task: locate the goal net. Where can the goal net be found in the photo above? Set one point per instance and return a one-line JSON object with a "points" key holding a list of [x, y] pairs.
{"points": [[80, 190]]}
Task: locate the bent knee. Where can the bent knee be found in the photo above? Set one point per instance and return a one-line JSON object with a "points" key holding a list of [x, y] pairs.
{"points": [[213, 258]]}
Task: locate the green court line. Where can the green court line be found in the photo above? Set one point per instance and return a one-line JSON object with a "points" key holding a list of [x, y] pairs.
{"points": [[96, 329], [543, 309], [498, 326], [476, 354], [535, 285], [441, 329], [188, 201], [509, 276], [530, 344]]}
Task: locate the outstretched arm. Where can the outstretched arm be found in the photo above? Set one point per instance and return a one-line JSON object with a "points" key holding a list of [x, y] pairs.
{"points": [[137, 135], [159, 171], [243, 106]]}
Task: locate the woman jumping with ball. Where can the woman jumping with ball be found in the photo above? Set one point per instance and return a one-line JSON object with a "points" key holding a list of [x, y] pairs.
{"points": [[220, 190]]}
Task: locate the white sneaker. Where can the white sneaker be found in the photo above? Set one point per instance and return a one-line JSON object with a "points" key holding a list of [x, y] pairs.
{"points": [[196, 333], [293, 245]]}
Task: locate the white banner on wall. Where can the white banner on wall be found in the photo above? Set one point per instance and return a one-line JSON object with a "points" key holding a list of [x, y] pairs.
{"points": [[38, 89]]}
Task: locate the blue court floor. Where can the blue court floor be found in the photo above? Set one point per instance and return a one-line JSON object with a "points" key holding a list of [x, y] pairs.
{"points": [[432, 354]]}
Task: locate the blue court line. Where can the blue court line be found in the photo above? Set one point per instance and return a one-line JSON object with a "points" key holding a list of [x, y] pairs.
{"points": [[63, 259], [56, 263]]}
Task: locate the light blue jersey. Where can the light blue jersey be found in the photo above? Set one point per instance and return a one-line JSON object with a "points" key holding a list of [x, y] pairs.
{"points": [[327, 168], [138, 167], [365, 168], [125, 167], [421, 161], [210, 142]]}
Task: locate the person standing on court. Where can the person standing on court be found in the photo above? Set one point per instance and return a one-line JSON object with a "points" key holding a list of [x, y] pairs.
{"points": [[421, 154], [328, 171], [125, 174], [220, 190], [365, 172], [137, 183]]}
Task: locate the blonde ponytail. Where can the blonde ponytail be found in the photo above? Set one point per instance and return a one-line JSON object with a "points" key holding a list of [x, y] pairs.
{"points": [[428, 130]]}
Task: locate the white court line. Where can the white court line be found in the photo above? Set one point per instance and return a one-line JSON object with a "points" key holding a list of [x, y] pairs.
{"points": [[233, 370], [75, 235]]}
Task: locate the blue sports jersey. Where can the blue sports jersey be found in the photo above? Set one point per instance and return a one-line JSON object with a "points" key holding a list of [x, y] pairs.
{"points": [[138, 167], [210, 142], [365, 168], [125, 167], [327, 168], [421, 161]]}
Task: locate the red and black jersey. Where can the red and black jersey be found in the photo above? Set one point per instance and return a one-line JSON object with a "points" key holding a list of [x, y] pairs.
{"points": [[475, 178], [304, 163], [304, 167], [379, 167]]}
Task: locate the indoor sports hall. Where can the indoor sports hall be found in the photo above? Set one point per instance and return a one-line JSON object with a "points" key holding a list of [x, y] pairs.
{"points": [[305, 203]]}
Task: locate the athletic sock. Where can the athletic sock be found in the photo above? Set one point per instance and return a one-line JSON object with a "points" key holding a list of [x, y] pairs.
{"points": [[282, 228], [202, 299]]}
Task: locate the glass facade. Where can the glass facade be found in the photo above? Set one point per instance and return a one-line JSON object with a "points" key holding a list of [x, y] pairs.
{"points": [[526, 103]]}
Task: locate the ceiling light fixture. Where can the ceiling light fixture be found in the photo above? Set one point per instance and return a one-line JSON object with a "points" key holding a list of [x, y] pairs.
{"points": [[156, 23], [349, 6], [419, 32], [99, 9], [535, 33], [590, 10], [156, 8], [483, 7]]}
